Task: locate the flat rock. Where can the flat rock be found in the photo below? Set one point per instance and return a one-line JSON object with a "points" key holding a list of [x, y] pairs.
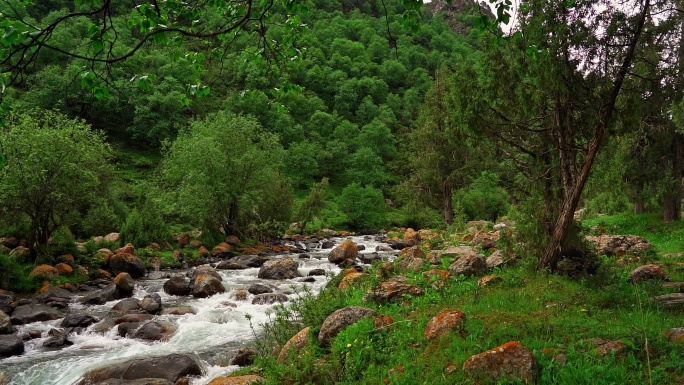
{"points": [[177, 285], [648, 272], [393, 290], [468, 265], [34, 312]]}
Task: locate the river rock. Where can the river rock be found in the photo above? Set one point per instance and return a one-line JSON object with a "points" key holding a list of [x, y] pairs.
{"points": [[177, 285], [34, 312], [5, 324], [154, 331], [66, 258], [282, 268], [222, 251], [468, 265], [268, 299], [250, 260], [171, 368], [327, 245], [510, 360], [133, 318], [128, 305], [11, 345], [258, 288], [57, 339], [346, 250], [102, 296], [205, 270], [44, 272], [54, 295], [124, 284], [6, 300], [125, 329], [411, 237], [77, 322], [230, 265], [127, 263], [206, 286], [244, 357], [298, 342], [393, 290], [245, 379], [141, 381], [178, 310], [64, 269], [316, 272], [340, 319], [152, 303]]}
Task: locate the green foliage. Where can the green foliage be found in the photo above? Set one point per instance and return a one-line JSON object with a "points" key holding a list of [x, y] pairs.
{"points": [[484, 199], [144, 227], [54, 167], [665, 237], [363, 206], [223, 172], [312, 204], [14, 275]]}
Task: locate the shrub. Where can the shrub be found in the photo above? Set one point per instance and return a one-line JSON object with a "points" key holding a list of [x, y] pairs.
{"points": [[363, 206], [483, 199]]}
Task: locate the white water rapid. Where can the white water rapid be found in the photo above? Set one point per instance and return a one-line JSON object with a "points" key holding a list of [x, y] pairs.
{"points": [[219, 327]]}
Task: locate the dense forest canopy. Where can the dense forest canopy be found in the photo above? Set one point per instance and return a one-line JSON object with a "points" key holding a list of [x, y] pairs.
{"points": [[355, 114]]}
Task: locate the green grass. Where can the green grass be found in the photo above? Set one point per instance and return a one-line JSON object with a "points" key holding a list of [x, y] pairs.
{"points": [[665, 237], [549, 314]]}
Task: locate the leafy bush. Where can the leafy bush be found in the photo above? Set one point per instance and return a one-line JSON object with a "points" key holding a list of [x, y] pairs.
{"points": [[144, 227], [14, 276], [63, 242], [363, 206], [484, 198]]}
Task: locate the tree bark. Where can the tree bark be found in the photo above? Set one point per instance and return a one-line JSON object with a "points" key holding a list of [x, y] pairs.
{"points": [[672, 202]]}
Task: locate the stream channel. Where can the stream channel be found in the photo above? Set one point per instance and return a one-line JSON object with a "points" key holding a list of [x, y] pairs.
{"points": [[212, 335]]}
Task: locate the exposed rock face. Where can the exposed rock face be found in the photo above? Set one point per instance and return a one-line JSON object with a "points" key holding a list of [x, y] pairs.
{"points": [[444, 323], [648, 273], [346, 250], [125, 284], [170, 368], [127, 263], [298, 342], [11, 345], [510, 360], [177, 285], [282, 268], [340, 319], [393, 290], [44, 272], [34, 312], [468, 265], [619, 244], [206, 286]]}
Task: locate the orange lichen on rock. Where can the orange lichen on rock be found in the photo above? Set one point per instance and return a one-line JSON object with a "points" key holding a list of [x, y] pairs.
{"points": [[511, 360], [446, 322], [350, 279]]}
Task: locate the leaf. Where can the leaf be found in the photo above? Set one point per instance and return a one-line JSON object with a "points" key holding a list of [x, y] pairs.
{"points": [[98, 45]]}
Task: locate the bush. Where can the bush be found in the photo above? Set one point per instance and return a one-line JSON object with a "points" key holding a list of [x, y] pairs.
{"points": [[363, 206], [14, 276], [144, 227], [483, 199]]}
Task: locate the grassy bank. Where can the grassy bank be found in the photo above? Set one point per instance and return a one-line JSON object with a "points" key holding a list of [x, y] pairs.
{"points": [[557, 318]]}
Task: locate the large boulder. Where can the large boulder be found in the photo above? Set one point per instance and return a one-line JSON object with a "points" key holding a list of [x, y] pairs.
{"points": [[206, 286], [619, 244], [6, 300], [298, 342], [154, 331], [127, 263], [171, 368], [64, 269], [649, 272], [205, 270], [102, 296], [11, 345], [472, 264], [222, 251], [411, 237], [128, 305], [269, 298], [54, 296], [258, 288], [444, 323], [510, 360], [152, 303], [34, 312], [282, 268], [124, 284], [5, 324], [346, 250], [340, 319], [177, 285], [244, 379], [77, 322], [44, 272]]}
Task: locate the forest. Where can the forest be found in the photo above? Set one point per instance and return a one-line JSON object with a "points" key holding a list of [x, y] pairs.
{"points": [[256, 119]]}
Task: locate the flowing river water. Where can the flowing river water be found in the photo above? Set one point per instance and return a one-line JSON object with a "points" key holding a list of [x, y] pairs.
{"points": [[212, 335]]}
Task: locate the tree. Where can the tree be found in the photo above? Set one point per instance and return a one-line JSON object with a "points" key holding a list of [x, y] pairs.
{"points": [[53, 167], [219, 170], [312, 204], [363, 206]]}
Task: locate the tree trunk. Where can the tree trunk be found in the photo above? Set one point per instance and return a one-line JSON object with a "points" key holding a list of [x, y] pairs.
{"points": [[672, 202], [448, 205], [638, 198]]}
